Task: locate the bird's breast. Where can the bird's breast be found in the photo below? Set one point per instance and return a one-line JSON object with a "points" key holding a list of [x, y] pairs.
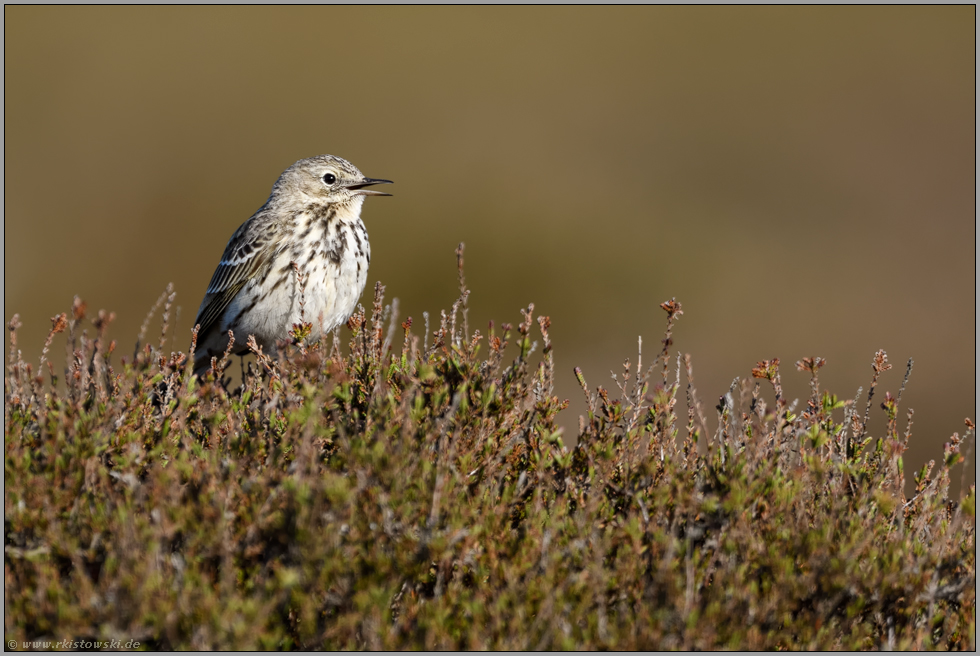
{"points": [[332, 253]]}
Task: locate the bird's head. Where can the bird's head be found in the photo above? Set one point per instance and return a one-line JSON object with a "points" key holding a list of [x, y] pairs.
{"points": [[325, 179]]}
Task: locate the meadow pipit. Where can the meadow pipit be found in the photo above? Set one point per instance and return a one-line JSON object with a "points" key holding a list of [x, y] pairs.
{"points": [[311, 222]]}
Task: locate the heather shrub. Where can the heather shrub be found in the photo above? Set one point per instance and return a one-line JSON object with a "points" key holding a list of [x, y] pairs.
{"points": [[416, 491]]}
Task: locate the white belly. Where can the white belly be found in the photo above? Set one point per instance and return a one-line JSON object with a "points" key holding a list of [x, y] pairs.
{"points": [[333, 260]]}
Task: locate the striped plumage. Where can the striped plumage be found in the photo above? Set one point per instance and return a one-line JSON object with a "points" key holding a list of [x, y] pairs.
{"points": [[312, 218]]}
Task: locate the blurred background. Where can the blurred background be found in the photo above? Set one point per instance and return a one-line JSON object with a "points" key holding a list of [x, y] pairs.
{"points": [[802, 179]]}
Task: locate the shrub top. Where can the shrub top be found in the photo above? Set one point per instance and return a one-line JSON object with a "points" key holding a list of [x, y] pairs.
{"points": [[418, 493]]}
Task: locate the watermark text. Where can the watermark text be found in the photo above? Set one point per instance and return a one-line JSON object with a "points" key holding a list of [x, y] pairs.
{"points": [[73, 644]]}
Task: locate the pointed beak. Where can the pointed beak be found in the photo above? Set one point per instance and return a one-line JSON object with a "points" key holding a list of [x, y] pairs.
{"points": [[367, 182]]}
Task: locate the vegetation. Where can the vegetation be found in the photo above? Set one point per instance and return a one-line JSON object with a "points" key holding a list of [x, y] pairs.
{"points": [[417, 493]]}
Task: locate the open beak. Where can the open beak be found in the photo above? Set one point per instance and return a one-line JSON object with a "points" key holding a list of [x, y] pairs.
{"points": [[367, 182]]}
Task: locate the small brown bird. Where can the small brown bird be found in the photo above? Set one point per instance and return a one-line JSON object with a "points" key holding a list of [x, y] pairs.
{"points": [[312, 219]]}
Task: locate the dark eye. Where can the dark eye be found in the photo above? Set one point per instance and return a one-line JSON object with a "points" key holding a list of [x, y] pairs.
{"points": [[329, 178]]}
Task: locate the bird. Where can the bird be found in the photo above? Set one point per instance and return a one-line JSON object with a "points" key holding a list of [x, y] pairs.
{"points": [[303, 255]]}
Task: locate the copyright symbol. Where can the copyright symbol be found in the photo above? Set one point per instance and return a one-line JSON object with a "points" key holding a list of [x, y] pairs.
{"points": [[12, 644]]}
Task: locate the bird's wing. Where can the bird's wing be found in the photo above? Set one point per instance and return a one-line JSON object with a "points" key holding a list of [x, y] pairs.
{"points": [[248, 251]]}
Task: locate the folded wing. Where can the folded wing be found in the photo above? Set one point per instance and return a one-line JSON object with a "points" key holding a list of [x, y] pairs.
{"points": [[245, 257]]}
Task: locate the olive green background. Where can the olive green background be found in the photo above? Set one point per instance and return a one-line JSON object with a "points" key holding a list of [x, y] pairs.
{"points": [[801, 179]]}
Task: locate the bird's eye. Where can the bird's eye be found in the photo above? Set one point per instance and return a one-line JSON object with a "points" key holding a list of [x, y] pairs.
{"points": [[329, 178]]}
